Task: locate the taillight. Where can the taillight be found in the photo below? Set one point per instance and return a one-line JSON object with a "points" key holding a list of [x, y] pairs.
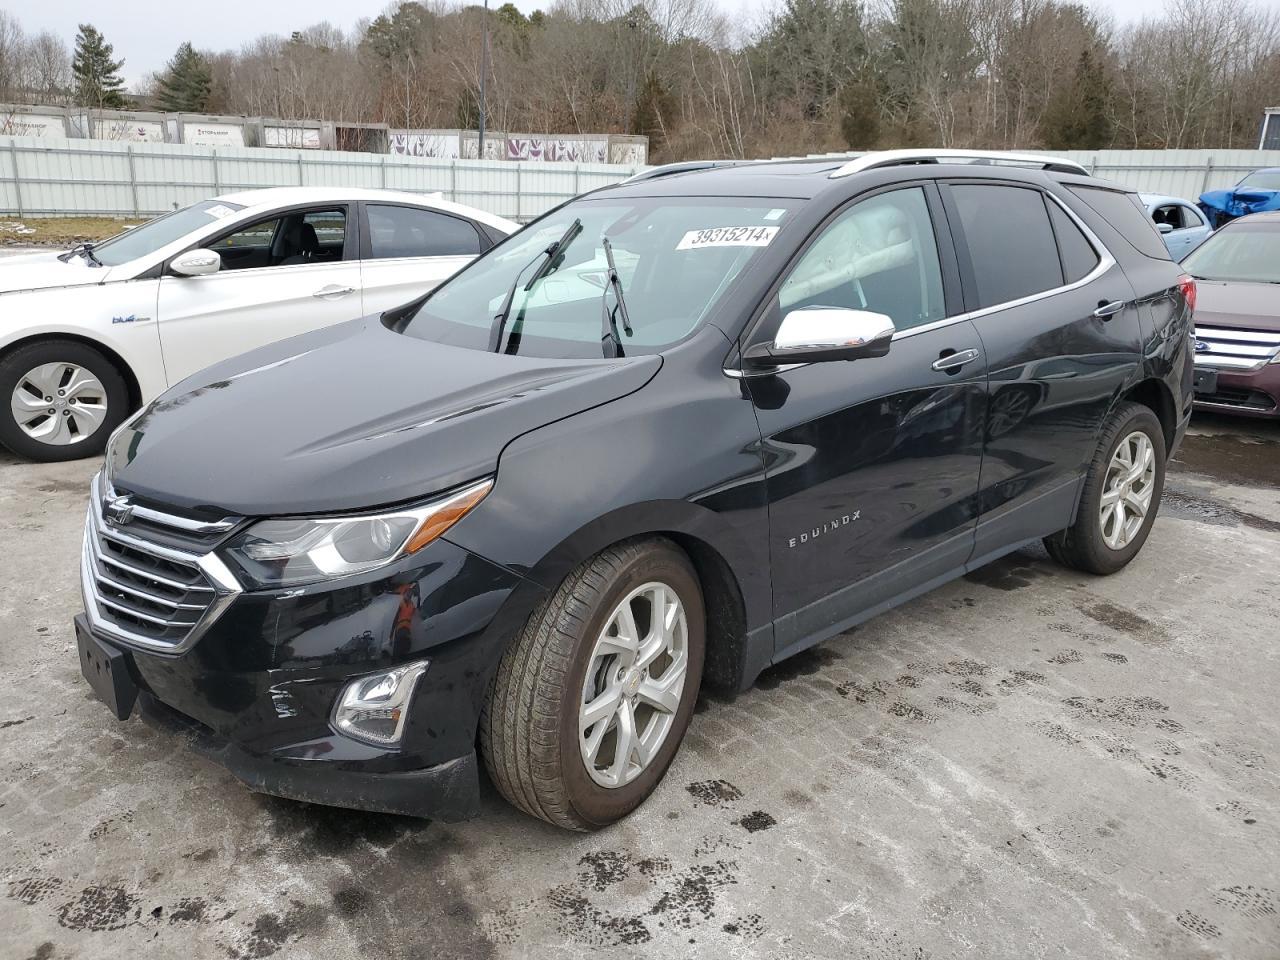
{"points": [[1187, 284]]}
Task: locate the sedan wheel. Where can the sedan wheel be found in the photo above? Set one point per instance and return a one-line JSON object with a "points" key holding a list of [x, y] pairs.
{"points": [[64, 399], [59, 403]]}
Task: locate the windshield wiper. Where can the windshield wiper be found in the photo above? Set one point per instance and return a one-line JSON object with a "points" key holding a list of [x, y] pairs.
{"points": [[553, 255], [83, 250], [609, 338]]}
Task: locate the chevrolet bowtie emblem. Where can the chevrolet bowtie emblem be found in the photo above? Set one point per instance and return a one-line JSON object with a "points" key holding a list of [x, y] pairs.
{"points": [[118, 511]]}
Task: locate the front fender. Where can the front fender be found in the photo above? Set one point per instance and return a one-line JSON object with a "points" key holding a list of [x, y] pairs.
{"points": [[120, 317], [680, 456]]}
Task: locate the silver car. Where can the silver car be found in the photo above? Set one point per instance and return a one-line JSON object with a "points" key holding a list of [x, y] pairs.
{"points": [[1180, 223]]}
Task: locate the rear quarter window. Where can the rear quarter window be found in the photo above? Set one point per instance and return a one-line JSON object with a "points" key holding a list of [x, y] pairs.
{"points": [[1127, 215]]}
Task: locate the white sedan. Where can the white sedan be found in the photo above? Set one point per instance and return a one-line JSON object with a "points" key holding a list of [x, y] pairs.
{"points": [[89, 335]]}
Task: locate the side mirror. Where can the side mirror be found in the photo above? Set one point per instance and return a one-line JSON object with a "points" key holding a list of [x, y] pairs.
{"points": [[815, 334], [196, 263], [1165, 227]]}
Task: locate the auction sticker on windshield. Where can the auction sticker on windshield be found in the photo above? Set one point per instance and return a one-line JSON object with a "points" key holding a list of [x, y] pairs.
{"points": [[728, 237]]}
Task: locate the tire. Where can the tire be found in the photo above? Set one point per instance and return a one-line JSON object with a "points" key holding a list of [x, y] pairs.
{"points": [[1084, 545], [529, 729], [92, 383]]}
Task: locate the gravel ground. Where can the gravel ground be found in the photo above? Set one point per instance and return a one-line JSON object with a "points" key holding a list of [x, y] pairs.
{"points": [[1025, 763]]}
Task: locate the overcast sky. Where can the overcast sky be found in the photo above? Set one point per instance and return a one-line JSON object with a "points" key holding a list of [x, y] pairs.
{"points": [[146, 32]]}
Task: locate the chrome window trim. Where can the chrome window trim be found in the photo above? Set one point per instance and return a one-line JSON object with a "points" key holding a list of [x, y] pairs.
{"points": [[226, 587], [1105, 262]]}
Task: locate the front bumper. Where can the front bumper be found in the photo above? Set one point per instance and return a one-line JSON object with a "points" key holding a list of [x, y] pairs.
{"points": [[257, 688], [447, 791], [1248, 393]]}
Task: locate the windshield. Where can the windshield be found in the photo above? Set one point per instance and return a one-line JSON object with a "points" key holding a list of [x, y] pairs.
{"points": [[161, 231], [1262, 180], [675, 257], [1242, 251]]}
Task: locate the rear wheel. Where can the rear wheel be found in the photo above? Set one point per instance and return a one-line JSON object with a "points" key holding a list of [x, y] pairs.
{"points": [[592, 699], [61, 400], [1121, 495]]}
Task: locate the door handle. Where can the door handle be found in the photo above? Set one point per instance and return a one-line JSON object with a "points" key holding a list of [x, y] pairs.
{"points": [[954, 361], [1107, 310], [333, 292]]}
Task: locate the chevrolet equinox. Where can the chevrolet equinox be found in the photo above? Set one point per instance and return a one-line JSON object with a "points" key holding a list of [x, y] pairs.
{"points": [[669, 434]]}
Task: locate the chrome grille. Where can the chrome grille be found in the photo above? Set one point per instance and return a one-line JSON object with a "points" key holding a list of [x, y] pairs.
{"points": [[1235, 349], [149, 594]]}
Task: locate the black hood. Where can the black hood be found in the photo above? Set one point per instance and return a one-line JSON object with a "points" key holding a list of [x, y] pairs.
{"points": [[348, 417]]}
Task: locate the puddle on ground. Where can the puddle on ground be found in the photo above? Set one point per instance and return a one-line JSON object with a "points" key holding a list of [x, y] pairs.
{"points": [[1250, 460]]}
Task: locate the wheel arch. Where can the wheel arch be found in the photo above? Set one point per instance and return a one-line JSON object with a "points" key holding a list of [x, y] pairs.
{"points": [[705, 538], [116, 360], [1155, 394]]}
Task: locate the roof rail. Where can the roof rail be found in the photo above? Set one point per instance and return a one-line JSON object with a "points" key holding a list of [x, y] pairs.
{"points": [[893, 158], [668, 169]]}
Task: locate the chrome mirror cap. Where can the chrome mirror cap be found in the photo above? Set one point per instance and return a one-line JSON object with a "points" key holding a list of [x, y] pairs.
{"points": [[815, 334]]}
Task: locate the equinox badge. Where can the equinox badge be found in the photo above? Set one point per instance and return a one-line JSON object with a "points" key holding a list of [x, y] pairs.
{"points": [[828, 527]]}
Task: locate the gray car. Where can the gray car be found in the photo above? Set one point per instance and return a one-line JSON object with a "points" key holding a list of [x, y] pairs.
{"points": [[1180, 223]]}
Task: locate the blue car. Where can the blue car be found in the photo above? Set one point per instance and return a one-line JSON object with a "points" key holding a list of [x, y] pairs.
{"points": [[1181, 225], [1256, 193]]}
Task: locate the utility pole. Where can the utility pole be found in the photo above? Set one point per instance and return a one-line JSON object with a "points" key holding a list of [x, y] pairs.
{"points": [[484, 73]]}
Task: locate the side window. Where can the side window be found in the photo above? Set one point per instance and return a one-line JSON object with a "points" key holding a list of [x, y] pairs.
{"points": [[255, 236], [1078, 256], [1190, 216], [414, 232], [879, 255], [291, 239], [1010, 241], [330, 227], [1168, 214], [1127, 217]]}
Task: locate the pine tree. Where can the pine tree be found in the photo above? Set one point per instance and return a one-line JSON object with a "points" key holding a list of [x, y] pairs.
{"points": [[1078, 116], [97, 77], [185, 86]]}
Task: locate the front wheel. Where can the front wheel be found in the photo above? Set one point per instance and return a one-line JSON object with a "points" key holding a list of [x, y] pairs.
{"points": [[1121, 495], [591, 700], [61, 400]]}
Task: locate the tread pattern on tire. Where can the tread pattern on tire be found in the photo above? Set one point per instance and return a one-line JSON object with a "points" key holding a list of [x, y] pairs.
{"points": [[519, 725]]}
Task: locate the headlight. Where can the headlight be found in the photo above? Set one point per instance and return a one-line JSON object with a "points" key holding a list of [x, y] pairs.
{"points": [[287, 552]]}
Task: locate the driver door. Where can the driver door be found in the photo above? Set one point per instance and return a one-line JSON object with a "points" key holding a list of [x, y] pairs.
{"points": [[872, 464], [283, 274]]}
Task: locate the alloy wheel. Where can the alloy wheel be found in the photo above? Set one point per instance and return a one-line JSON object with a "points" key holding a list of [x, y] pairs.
{"points": [[1127, 490], [59, 403], [634, 684]]}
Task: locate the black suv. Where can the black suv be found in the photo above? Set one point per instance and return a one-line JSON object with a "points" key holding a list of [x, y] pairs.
{"points": [[669, 434]]}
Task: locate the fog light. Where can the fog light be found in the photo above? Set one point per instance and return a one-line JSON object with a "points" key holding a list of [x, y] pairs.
{"points": [[373, 709]]}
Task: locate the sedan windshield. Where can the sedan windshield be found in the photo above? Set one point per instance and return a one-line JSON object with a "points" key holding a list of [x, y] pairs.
{"points": [[675, 258], [161, 231], [1242, 251], [1262, 180]]}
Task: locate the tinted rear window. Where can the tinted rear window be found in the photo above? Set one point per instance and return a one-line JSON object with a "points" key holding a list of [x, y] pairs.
{"points": [[1124, 211], [1078, 255], [1010, 241], [415, 232]]}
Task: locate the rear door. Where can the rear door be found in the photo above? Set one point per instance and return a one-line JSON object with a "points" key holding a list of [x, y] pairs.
{"points": [[1062, 335], [872, 465], [282, 274], [407, 251]]}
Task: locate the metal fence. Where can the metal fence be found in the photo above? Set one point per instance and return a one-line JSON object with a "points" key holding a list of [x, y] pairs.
{"points": [[46, 177], [1177, 173]]}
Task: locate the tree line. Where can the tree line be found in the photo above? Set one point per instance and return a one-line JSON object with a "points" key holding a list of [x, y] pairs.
{"points": [[809, 76]]}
